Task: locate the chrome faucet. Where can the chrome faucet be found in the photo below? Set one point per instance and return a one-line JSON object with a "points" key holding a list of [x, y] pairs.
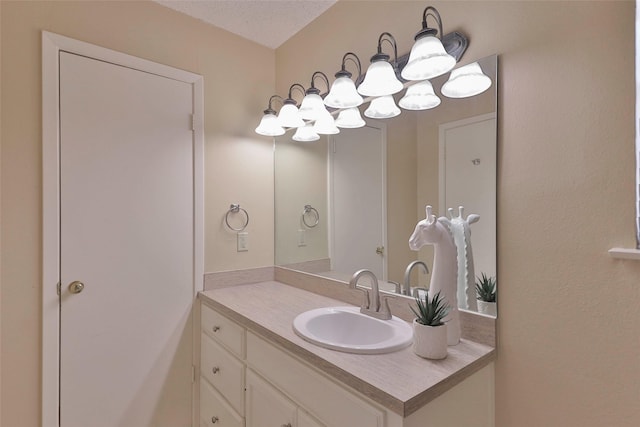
{"points": [[371, 307], [407, 275]]}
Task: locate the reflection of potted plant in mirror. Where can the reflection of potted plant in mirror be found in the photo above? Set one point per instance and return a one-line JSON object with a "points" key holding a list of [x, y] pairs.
{"points": [[429, 329], [486, 294]]}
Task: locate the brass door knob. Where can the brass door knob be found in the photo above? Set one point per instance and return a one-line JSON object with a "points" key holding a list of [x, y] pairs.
{"points": [[76, 287]]}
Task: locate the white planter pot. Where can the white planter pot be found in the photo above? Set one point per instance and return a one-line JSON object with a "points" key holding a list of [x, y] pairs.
{"points": [[430, 342], [488, 308]]}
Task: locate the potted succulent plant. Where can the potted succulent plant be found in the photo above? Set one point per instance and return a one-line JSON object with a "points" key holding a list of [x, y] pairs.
{"points": [[486, 293], [429, 328]]}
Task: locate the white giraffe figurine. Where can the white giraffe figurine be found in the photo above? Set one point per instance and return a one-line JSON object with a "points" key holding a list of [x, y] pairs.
{"points": [[461, 231], [432, 231]]}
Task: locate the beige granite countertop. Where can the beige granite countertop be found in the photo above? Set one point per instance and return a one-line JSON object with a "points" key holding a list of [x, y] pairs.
{"points": [[400, 381]]}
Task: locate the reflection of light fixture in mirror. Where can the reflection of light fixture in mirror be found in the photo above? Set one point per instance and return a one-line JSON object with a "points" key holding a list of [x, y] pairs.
{"points": [[305, 134], [466, 81], [325, 125], [381, 77], [383, 107], [312, 105], [420, 96], [428, 57], [269, 125], [289, 116], [343, 93], [350, 118]]}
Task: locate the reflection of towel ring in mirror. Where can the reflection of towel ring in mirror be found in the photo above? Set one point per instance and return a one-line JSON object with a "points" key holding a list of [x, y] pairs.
{"points": [[235, 208], [309, 209]]}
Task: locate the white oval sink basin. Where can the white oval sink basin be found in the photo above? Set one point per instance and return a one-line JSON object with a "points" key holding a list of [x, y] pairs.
{"points": [[346, 329]]}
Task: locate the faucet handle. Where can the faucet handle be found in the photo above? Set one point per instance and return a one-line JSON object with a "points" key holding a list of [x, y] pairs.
{"points": [[366, 301], [385, 311]]}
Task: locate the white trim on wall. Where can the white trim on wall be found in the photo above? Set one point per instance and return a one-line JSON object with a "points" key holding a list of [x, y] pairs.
{"points": [[626, 253], [52, 45]]}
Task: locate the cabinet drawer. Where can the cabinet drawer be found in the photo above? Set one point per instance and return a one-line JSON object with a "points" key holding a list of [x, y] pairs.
{"points": [[223, 371], [223, 330], [326, 400], [214, 412]]}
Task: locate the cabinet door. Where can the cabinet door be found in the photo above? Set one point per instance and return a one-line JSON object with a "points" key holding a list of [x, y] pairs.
{"points": [[305, 420], [267, 407]]}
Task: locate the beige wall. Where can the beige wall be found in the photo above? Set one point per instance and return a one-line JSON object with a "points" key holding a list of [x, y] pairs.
{"points": [[568, 322], [239, 78]]}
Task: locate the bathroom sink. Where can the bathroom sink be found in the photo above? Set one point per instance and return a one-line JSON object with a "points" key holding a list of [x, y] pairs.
{"points": [[346, 329]]}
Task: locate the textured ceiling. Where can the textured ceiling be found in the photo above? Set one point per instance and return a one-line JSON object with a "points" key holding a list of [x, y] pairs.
{"points": [[267, 22]]}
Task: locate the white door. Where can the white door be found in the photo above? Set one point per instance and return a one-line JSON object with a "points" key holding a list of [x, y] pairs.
{"points": [[127, 234], [468, 178], [358, 206]]}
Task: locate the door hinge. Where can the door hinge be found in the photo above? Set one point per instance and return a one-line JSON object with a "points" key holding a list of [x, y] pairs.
{"points": [[59, 288], [193, 374], [193, 122]]}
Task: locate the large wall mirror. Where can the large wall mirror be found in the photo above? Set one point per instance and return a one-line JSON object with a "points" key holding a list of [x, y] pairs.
{"points": [[350, 201]]}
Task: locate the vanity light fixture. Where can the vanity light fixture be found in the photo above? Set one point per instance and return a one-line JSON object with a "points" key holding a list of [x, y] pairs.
{"points": [[269, 125], [466, 81], [325, 124], [420, 96], [305, 134], [383, 107], [343, 93], [312, 105], [289, 116], [428, 57], [350, 118], [381, 77]]}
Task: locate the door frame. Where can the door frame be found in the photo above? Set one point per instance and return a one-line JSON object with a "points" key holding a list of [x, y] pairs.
{"points": [[330, 185], [52, 45]]}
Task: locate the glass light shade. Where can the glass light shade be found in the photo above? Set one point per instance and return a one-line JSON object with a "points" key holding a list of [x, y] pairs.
{"points": [[466, 81], [312, 106], [269, 126], [420, 96], [350, 118], [383, 107], [427, 59], [306, 134], [326, 125], [343, 94], [289, 116], [380, 80]]}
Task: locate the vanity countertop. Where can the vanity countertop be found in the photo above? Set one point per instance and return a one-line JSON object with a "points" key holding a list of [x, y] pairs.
{"points": [[400, 381]]}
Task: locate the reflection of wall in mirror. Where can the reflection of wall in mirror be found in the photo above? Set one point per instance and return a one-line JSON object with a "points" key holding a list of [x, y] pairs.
{"points": [[301, 169], [402, 177]]}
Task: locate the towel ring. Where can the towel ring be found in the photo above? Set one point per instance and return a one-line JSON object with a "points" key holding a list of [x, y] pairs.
{"points": [[235, 208], [310, 209]]}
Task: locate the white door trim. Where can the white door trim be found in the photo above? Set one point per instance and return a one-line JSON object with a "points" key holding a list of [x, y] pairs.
{"points": [[52, 44]]}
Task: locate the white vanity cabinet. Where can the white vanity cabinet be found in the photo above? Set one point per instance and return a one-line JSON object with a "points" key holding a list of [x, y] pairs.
{"points": [[249, 381]]}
